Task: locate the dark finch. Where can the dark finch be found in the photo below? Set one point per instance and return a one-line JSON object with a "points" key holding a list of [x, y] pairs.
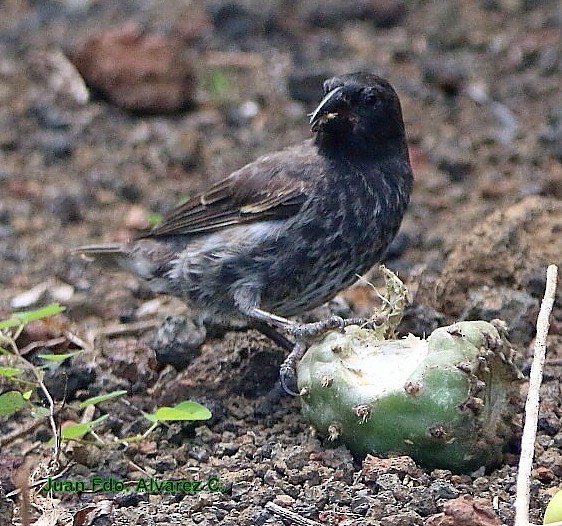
{"points": [[287, 232]]}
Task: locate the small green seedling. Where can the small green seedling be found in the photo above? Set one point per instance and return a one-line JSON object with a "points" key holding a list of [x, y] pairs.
{"points": [[11, 402], [183, 411], [101, 398], [15, 366], [77, 431], [21, 319]]}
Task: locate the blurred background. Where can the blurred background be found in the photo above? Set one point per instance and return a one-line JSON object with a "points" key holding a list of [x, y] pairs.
{"points": [[111, 112]]}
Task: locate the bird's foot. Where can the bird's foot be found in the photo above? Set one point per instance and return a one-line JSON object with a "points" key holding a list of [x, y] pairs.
{"points": [[269, 324], [302, 331], [305, 330], [288, 369]]}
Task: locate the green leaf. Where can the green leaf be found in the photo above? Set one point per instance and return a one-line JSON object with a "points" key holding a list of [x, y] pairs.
{"points": [[21, 318], [150, 416], [27, 394], [553, 511], [79, 430], [219, 84], [11, 402], [101, 398], [199, 411], [10, 371], [58, 357], [185, 410], [154, 218], [183, 199]]}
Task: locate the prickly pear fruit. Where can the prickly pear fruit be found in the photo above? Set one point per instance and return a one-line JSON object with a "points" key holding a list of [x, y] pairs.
{"points": [[447, 401]]}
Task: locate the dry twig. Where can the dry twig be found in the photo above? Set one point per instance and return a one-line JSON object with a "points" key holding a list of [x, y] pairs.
{"points": [[532, 404], [290, 515]]}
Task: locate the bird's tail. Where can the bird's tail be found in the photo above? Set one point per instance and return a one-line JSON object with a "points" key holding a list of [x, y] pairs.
{"points": [[108, 255], [140, 259]]}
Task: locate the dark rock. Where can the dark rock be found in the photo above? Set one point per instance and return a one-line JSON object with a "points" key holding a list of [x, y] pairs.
{"points": [[68, 208], [551, 135], [9, 141], [549, 424], [258, 371], [63, 382], [49, 116], [55, 146], [130, 192], [232, 21], [386, 13], [450, 77], [456, 168], [422, 501], [129, 499], [305, 86], [177, 341], [332, 13], [442, 489], [420, 320], [518, 308], [199, 454], [133, 361], [361, 504]]}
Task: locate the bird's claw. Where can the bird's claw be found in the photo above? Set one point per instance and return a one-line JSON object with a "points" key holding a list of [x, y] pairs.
{"points": [[288, 369], [288, 379], [304, 330]]}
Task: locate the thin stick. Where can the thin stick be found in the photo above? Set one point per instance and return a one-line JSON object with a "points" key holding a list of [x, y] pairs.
{"points": [[39, 378], [532, 404], [127, 328], [290, 515]]}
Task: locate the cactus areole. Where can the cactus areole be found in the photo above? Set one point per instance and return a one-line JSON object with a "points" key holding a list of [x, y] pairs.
{"points": [[446, 401]]}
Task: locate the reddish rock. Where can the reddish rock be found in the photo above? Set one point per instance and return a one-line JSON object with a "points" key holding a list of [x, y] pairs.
{"points": [[373, 467], [465, 511], [139, 72]]}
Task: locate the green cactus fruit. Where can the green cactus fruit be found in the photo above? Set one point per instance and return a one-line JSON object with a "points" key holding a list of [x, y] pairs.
{"points": [[447, 401]]}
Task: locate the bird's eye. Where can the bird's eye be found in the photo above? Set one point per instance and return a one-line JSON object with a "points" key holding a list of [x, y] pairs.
{"points": [[369, 96]]}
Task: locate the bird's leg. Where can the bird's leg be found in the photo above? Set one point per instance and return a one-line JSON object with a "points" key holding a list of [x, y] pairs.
{"points": [[267, 324], [299, 330], [267, 317], [273, 334], [318, 328]]}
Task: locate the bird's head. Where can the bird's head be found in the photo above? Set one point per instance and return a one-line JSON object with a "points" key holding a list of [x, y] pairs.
{"points": [[358, 105]]}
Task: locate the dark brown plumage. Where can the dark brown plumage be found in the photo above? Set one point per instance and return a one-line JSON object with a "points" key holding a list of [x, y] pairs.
{"points": [[287, 232]]}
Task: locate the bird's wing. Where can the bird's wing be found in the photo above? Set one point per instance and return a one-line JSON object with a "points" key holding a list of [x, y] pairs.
{"points": [[272, 187]]}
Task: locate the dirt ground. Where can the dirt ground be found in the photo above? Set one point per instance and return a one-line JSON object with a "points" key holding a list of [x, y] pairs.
{"points": [[480, 84]]}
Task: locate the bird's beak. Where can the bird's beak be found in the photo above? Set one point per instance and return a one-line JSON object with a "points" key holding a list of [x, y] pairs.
{"points": [[332, 106]]}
